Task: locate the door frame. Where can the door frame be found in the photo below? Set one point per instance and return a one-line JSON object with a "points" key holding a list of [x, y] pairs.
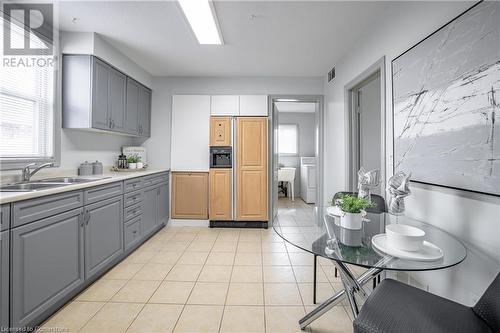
{"points": [[273, 165], [351, 129]]}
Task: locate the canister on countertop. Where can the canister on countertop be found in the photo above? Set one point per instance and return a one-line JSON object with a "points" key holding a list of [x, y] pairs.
{"points": [[97, 168], [85, 169]]}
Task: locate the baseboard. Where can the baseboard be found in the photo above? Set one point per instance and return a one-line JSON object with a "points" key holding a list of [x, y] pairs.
{"points": [[239, 224], [187, 223]]}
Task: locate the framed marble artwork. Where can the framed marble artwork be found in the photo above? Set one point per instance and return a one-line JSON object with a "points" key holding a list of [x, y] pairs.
{"points": [[446, 104]]}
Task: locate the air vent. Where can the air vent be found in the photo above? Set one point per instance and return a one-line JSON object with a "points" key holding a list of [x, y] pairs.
{"points": [[331, 75]]}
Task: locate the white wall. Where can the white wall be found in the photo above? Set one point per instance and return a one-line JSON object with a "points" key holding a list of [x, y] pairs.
{"points": [[158, 145], [306, 126], [475, 219]]}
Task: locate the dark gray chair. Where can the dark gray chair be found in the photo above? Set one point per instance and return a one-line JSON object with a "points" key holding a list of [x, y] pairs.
{"points": [[379, 207], [395, 307]]}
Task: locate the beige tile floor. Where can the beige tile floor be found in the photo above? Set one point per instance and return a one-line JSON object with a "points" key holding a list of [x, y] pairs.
{"points": [[191, 279]]}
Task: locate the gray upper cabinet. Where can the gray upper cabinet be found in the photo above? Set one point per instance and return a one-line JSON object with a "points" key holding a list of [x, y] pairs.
{"points": [[98, 96], [100, 115], [132, 107], [117, 99], [47, 265], [144, 112], [4, 280], [103, 234]]}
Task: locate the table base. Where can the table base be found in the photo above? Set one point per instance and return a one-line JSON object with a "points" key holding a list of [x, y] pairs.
{"points": [[352, 287]]}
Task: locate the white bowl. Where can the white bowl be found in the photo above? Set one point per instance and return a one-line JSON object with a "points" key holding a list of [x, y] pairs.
{"points": [[404, 237]]}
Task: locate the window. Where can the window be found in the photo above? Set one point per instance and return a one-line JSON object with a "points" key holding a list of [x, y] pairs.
{"points": [[288, 139], [26, 105]]}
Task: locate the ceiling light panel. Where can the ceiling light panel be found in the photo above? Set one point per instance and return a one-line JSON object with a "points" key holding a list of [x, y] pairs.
{"points": [[201, 17]]}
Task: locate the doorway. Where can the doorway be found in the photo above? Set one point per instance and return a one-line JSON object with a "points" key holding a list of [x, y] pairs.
{"points": [[366, 122], [296, 169]]}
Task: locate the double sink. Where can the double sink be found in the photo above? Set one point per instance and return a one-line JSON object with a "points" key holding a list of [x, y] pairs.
{"points": [[44, 184]]}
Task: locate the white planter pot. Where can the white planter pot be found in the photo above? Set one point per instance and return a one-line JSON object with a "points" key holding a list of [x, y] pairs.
{"points": [[132, 165], [352, 221], [140, 165]]}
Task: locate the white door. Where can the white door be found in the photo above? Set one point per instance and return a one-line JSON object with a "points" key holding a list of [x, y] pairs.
{"points": [[369, 126], [190, 133]]}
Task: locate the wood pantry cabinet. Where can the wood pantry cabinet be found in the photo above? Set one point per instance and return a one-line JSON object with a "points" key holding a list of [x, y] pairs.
{"points": [[220, 131], [251, 169], [221, 195], [190, 195]]}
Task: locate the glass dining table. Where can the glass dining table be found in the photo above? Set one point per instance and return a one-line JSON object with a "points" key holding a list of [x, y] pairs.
{"points": [[320, 233]]}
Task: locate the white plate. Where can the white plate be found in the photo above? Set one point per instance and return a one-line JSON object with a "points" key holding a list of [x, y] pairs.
{"points": [[429, 251]]}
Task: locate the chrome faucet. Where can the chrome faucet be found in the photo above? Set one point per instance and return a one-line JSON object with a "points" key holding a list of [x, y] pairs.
{"points": [[27, 173]]}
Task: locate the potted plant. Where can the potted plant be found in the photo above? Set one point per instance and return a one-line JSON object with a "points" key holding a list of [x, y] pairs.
{"points": [[352, 209], [132, 161], [140, 165]]}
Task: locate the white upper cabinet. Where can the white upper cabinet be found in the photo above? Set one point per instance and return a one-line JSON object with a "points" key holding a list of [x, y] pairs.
{"points": [[190, 132], [253, 105], [225, 105]]}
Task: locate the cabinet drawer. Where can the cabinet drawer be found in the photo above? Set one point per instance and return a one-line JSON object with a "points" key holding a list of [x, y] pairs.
{"points": [[133, 184], [31, 210], [132, 233], [132, 198], [132, 211], [155, 179], [103, 192], [4, 217]]}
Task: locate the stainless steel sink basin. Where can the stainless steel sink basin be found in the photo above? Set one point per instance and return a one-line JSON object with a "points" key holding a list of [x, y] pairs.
{"points": [[70, 180], [30, 186]]}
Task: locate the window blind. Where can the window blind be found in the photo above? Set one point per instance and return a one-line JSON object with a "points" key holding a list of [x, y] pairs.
{"points": [[26, 104], [288, 139]]}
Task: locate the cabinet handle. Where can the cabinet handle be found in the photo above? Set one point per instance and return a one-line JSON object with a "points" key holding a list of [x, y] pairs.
{"points": [[80, 218], [110, 123], [88, 217]]}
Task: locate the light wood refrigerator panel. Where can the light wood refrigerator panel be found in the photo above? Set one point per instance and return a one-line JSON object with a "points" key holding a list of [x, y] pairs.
{"points": [[220, 194], [251, 169], [190, 195], [220, 131], [190, 133]]}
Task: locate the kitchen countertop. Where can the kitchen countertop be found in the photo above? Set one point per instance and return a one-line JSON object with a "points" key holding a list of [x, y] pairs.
{"points": [[7, 197]]}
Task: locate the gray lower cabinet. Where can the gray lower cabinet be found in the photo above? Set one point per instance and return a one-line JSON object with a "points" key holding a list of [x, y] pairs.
{"points": [[103, 234], [149, 209], [4, 217], [163, 203], [47, 264], [155, 207], [132, 234], [4, 280]]}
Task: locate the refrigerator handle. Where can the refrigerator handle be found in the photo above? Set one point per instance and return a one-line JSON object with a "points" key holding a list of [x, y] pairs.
{"points": [[233, 168]]}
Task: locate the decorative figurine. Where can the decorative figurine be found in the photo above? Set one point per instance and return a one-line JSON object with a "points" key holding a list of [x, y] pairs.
{"points": [[398, 187], [367, 181]]}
